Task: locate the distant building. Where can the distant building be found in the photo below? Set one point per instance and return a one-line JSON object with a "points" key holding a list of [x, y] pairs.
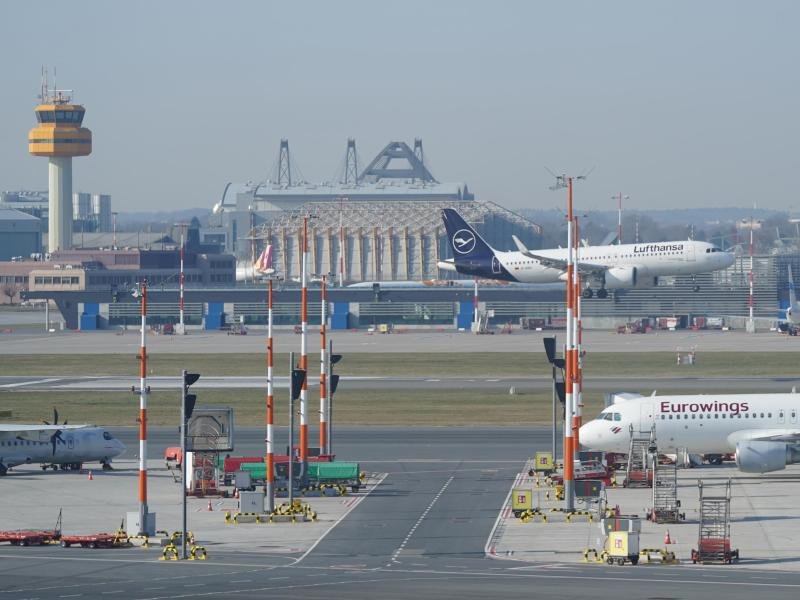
{"points": [[91, 212], [382, 222], [20, 234]]}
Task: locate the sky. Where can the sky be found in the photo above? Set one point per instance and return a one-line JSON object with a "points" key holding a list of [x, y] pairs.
{"points": [[675, 104]]}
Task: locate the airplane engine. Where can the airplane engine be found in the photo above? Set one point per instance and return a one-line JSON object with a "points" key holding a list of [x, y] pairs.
{"points": [[763, 457], [629, 278]]}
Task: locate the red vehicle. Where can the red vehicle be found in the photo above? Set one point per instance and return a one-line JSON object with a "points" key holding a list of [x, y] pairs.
{"points": [[97, 540], [29, 537]]}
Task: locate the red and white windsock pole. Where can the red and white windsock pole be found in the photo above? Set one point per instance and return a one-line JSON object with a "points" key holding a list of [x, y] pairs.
{"points": [[143, 418], [323, 396], [569, 473], [270, 459], [304, 346]]}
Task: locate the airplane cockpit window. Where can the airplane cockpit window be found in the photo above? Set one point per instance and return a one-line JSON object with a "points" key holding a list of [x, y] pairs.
{"points": [[107, 436], [605, 416], [617, 417]]}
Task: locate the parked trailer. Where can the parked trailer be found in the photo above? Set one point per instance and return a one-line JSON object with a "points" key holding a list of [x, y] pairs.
{"points": [[343, 473], [29, 537], [346, 473], [97, 540]]}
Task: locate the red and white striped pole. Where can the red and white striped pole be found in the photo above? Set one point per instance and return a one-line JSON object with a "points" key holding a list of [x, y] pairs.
{"points": [[475, 304], [577, 388], [750, 301], [180, 303], [619, 221], [569, 467], [270, 459], [143, 418], [304, 347], [323, 408]]}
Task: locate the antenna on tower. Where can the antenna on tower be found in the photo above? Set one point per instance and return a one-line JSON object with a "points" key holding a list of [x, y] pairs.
{"points": [[284, 164], [561, 180], [418, 151], [351, 162]]}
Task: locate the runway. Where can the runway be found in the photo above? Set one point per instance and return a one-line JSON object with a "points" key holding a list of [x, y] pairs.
{"points": [[420, 534], [644, 385], [442, 339]]}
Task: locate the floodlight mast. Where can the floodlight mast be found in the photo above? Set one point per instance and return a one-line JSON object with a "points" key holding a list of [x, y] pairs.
{"points": [[572, 377], [143, 529], [304, 346], [270, 459]]}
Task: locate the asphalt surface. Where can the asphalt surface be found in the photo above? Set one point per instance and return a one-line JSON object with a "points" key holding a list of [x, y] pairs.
{"points": [[522, 384], [442, 339], [420, 534]]}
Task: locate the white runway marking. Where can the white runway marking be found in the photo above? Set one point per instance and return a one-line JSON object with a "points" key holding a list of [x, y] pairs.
{"points": [[421, 519]]}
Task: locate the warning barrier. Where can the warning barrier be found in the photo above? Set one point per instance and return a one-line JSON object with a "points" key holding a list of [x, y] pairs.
{"points": [[170, 552], [664, 556], [592, 555], [528, 515], [580, 513], [198, 553], [144, 539]]}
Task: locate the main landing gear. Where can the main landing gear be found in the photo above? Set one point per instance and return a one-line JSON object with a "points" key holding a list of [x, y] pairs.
{"points": [[588, 293]]}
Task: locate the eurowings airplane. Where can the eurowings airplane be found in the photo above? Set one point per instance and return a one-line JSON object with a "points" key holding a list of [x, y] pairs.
{"points": [[262, 266], [68, 446], [606, 267], [762, 429]]}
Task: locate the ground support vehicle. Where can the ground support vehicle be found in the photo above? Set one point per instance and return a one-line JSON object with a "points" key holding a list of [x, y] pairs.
{"points": [[637, 471], [623, 546], [714, 536], [95, 540], [666, 506], [30, 537]]}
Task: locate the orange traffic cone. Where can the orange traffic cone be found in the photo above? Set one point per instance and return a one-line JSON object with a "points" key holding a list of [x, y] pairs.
{"points": [[667, 539], [209, 506], [90, 476]]}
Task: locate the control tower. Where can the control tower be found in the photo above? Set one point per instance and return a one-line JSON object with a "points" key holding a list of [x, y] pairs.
{"points": [[59, 136]]}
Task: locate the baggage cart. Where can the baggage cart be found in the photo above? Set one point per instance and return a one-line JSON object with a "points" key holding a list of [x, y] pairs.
{"points": [[623, 546]]}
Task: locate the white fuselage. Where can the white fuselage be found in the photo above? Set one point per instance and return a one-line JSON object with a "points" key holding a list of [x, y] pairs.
{"points": [[702, 424], [657, 259], [74, 445]]}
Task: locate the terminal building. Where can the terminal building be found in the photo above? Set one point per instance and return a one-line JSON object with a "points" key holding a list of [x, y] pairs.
{"points": [[379, 223], [214, 304]]}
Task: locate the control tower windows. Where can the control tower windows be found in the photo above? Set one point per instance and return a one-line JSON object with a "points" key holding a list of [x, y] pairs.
{"points": [[60, 116]]}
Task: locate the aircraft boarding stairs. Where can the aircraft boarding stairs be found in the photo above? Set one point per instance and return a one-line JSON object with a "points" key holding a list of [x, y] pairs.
{"points": [[666, 506], [714, 538], [638, 473]]}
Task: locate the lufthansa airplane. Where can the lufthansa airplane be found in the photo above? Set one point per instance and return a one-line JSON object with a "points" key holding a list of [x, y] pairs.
{"points": [[762, 429], [67, 446], [606, 267]]}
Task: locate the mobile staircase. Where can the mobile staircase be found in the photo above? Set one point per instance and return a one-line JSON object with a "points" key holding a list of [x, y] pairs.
{"points": [[637, 472], [666, 506], [714, 537]]}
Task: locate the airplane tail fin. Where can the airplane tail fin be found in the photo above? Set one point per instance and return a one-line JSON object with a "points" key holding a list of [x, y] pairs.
{"points": [[464, 241], [264, 262]]}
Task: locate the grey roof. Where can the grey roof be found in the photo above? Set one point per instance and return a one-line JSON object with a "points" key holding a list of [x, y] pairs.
{"points": [[12, 214]]}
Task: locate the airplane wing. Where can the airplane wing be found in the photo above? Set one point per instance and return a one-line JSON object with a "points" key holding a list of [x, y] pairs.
{"points": [[557, 263], [789, 436], [33, 431]]}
